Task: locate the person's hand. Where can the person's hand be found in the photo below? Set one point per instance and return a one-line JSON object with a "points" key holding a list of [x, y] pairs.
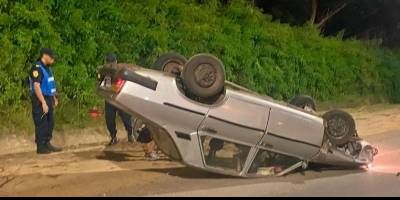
{"points": [[45, 108], [55, 102]]}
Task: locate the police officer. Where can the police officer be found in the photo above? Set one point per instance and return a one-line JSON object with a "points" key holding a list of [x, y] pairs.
{"points": [[111, 111], [43, 93]]}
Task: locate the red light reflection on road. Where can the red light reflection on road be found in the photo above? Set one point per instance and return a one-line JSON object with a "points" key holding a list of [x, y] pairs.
{"points": [[387, 160]]}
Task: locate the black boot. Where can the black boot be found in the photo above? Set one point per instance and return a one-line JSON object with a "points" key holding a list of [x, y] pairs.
{"points": [[53, 148], [114, 141], [42, 149]]}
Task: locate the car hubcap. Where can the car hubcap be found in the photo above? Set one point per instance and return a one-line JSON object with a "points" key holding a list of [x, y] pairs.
{"points": [[205, 75], [173, 68], [309, 108], [338, 127]]}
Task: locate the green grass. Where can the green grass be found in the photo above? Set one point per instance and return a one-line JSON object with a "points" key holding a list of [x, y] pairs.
{"points": [[68, 116], [351, 102]]}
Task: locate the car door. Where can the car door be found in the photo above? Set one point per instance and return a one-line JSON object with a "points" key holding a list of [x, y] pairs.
{"points": [[293, 132], [230, 130]]}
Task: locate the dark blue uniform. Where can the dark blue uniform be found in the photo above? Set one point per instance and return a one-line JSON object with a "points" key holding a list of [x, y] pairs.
{"points": [[44, 123]]}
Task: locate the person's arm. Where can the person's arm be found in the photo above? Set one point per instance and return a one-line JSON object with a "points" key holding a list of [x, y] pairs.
{"points": [[39, 95], [55, 99]]}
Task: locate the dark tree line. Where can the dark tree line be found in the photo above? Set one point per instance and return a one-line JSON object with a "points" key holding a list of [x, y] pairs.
{"points": [[363, 19]]}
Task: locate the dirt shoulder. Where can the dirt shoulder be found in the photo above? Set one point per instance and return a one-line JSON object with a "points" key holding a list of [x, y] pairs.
{"points": [[12, 141], [376, 119], [96, 170]]}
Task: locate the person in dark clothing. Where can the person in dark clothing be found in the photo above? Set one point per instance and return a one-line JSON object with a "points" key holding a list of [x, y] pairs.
{"points": [[111, 111], [44, 100]]}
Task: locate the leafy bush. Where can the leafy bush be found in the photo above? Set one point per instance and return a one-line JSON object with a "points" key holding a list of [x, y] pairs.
{"points": [[271, 58]]}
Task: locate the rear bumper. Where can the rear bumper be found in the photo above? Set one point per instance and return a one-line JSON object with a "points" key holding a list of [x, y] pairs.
{"points": [[127, 74], [108, 96]]}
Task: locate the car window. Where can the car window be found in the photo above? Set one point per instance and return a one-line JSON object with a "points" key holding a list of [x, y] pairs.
{"points": [[223, 154]]}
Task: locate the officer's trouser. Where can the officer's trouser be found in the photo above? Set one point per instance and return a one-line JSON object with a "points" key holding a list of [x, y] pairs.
{"points": [[111, 113], [44, 123]]}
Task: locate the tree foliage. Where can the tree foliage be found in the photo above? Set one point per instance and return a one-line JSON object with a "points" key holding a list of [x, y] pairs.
{"points": [[271, 58]]}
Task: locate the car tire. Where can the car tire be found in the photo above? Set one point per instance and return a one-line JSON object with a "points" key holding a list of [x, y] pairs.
{"points": [[204, 76], [172, 63], [304, 102], [340, 127]]}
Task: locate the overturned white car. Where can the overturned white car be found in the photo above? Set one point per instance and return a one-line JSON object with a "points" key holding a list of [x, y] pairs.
{"points": [[198, 118]]}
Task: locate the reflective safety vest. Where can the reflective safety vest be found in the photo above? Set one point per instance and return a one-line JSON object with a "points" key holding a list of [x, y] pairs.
{"points": [[48, 84]]}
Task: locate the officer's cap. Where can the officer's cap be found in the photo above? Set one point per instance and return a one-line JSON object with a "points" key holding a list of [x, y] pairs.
{"points": [[47, 51]]}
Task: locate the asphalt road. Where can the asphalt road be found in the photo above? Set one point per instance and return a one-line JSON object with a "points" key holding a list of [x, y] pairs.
{"points": [[122, 171], [383, 179]]}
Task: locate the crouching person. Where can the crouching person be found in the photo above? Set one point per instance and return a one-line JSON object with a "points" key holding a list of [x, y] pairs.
{"points": [[148, 143]]}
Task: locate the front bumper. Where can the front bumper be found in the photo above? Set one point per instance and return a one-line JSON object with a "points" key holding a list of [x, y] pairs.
{"points": [[336, 156]]}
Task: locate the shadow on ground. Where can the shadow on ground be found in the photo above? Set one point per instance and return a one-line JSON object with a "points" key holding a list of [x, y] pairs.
{"points": [[134, 154], [298, 176], [187, 172]]}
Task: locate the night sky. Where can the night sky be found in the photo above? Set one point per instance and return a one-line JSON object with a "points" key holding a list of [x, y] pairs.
{"points": [[362, 19]]}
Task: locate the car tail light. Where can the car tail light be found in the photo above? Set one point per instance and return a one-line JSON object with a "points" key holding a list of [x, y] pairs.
{"points": [[118, 84]]}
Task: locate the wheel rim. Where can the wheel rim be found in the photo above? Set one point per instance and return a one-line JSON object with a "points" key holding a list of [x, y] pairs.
{"points": [[205, 75], [173, 67], [338, 128], [309, 108]]}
